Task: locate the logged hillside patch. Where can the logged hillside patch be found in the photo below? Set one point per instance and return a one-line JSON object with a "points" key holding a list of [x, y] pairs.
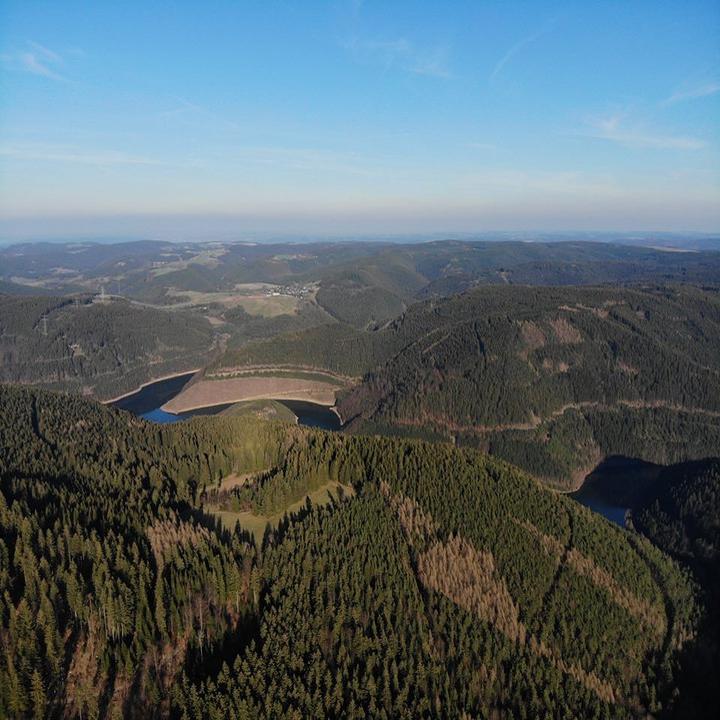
{"points": [[565, 332], [470, 579], [126, 595], [652, 616], [467, 576]]}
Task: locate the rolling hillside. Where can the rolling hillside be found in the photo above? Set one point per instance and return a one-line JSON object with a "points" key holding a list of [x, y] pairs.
{"points": [[94, 348], [441, 583], [552, 379], [363, 284]]}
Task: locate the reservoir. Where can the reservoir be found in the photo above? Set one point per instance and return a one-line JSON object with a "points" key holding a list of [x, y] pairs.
{"points": [[147, 403], [151, 397], [313, 415], [592, 496], [609, 490], [615, 486]]}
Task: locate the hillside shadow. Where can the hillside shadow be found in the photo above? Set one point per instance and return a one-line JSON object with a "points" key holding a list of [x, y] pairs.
{"points": [[620, 480]]}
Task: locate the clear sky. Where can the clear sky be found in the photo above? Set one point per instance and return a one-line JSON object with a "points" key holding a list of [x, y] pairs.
{"points": [[376, 116]]}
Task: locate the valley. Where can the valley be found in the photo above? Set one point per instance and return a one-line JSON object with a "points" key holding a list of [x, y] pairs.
{"points": [[359, 360], [543, 377], [508, 521], [607, 489]]}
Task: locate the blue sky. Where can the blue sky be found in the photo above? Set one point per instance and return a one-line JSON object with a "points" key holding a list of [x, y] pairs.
{"points": [[358, 116]]}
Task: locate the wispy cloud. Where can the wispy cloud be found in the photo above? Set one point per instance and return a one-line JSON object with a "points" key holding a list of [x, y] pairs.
{"points": [[693, 93], [194, 114], [614, 129], [37, 59], [70, 154], [432, 64], [518, 47], [45, 53], [394, 53], [402, 54]]}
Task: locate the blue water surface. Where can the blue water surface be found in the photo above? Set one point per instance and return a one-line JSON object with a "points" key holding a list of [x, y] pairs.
{"points": [[148, 401], [614, 513], [160, 416]]}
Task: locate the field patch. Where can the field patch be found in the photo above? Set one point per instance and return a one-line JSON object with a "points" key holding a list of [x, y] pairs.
{"points": [[206, 258], [255, 298], [256, 524], [269, 305], [265, 409]]}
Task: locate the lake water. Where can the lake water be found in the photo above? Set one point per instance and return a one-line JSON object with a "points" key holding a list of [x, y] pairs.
{"points": [[150, 398], [614, 486], [147, 403], [313, 415], [593, 498]]}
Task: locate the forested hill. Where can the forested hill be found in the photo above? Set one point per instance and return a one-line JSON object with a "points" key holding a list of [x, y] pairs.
{"points": [[554, 379], [680, 513], [441, 583], [98, 348]]}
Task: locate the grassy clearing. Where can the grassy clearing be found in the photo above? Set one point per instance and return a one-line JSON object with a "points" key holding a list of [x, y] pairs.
{"points": [[269, 305], [256, 524], [257, 304], [265, 409], [234, 480]]}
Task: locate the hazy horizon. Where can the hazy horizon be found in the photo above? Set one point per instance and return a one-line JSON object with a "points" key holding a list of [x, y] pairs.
{"points": [[199, 228], [662, 238]]}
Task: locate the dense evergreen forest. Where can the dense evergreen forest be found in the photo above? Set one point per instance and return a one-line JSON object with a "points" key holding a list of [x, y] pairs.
{"points": [[680, 513], [439, 583], [241, 566], [551, 379], [97, 348]]}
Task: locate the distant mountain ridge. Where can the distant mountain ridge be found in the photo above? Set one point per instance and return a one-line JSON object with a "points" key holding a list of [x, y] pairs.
{"points": [[362, 283]]}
